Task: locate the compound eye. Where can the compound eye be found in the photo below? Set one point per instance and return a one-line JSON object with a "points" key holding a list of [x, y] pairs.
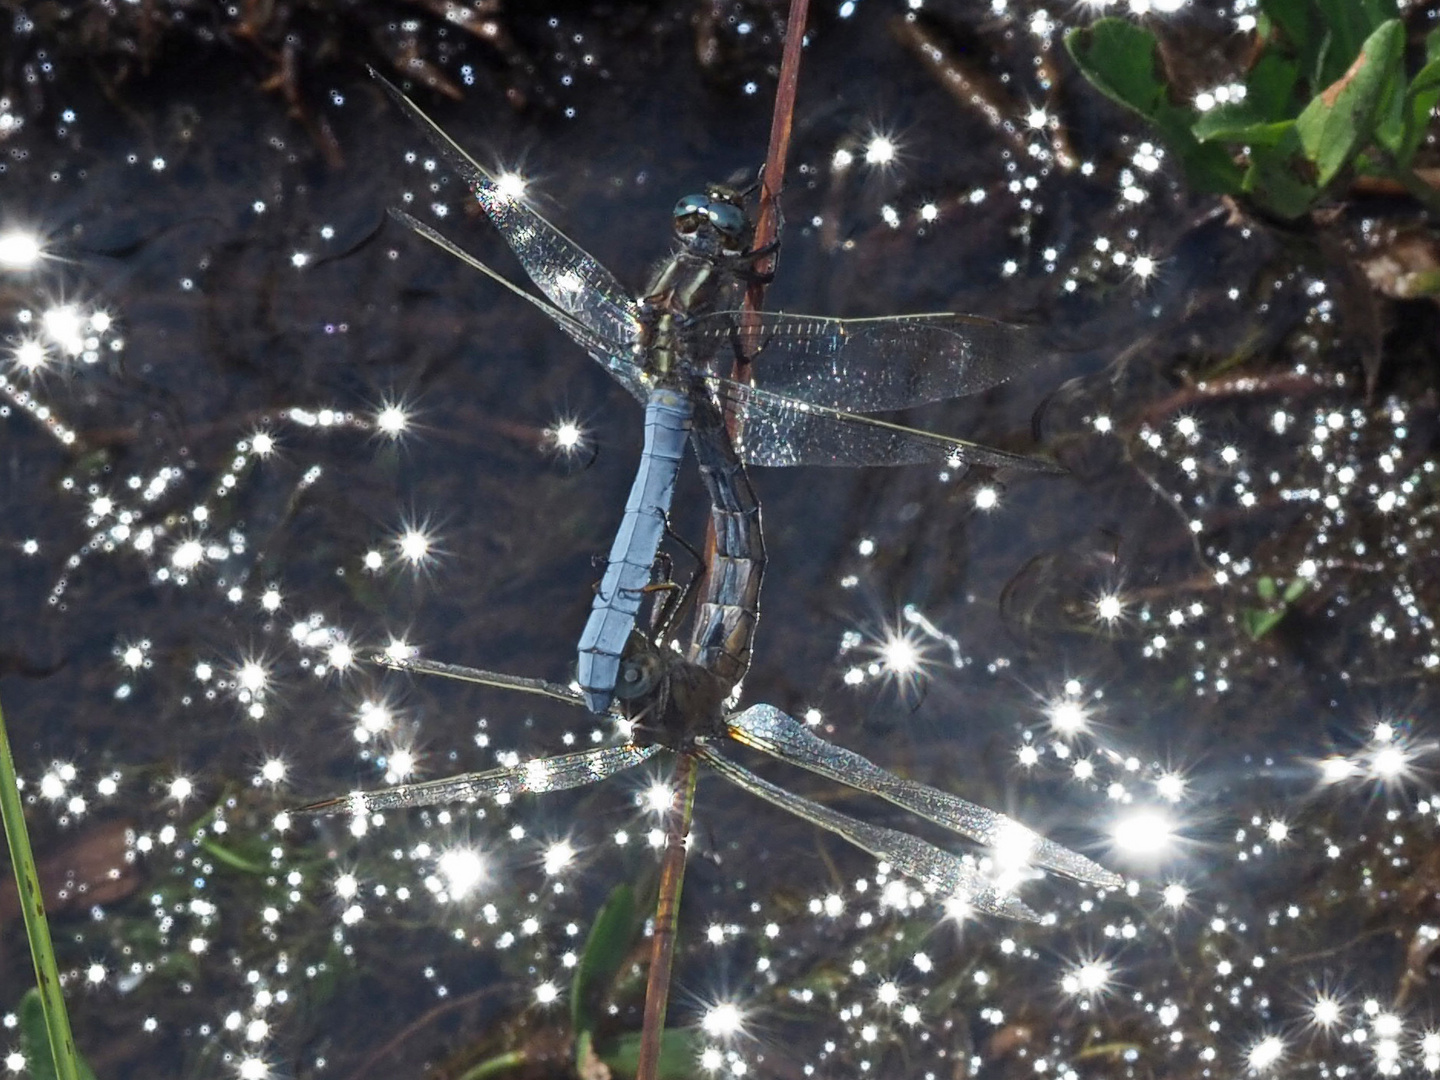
{"points": [[728, 219], [690, 213], [638, 677]]}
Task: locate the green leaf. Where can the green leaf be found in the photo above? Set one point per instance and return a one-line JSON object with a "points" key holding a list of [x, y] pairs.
{"points": [[1122, 61], [1224, 125], [1259, 622], [1420, 100], [611, 936], [35, 1041], [679, 1050], [1349, 23], [1294, 590], [1281, 179], [1297, 24], [1270, 86], [1340, 120], [1265, 589]]}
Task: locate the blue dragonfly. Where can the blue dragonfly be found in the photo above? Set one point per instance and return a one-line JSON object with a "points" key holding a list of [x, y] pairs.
{"points": [[674, 345]]}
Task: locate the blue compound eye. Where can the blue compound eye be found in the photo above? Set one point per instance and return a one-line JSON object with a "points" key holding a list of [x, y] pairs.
{"points": [[690, 212], [728, 219]]}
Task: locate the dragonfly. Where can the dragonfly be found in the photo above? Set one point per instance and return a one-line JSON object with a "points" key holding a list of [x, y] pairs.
{"points": [[678, 702], [675, 344]]}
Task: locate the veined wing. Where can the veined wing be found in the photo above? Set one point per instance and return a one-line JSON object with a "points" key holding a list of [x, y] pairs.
{"points": [[766, 728], [572, 279], [615, 356], [869, 365], [538, 775], [947, 874], [780, 430]]}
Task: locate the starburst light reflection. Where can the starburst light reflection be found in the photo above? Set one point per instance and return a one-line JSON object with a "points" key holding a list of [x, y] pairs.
{"points": [[558, 857], [566, 436], [416, 545], [511, 185], [723, 1020], [462, 871], [20, 250], [1090, 978], [392, 420], [1144, 833], [881, 150]]}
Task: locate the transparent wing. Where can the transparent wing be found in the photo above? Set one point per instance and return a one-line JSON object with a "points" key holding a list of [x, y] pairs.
{"points": [[565, 272], [870, 365], [780, 430], [767, 729], [614, 356], [459, 672], [947, 874], [541, 774]]}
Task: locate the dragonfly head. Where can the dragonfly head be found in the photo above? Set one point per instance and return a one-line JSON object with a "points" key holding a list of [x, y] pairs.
{"points": [[640, 674], [668, 700], [714, 223]]}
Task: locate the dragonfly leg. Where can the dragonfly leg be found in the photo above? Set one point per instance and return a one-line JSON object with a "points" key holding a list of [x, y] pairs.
{"points": [[673, 535], [665, 616]]}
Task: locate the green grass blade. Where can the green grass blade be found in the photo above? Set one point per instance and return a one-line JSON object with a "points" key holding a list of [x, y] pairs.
{"points": [[32, 906]]}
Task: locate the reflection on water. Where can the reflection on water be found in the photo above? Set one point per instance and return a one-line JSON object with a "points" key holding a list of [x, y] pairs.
{"points": [[249, 431]]}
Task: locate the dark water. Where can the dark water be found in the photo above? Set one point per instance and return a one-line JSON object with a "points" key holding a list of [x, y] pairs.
{"points": [[1214, 418]]}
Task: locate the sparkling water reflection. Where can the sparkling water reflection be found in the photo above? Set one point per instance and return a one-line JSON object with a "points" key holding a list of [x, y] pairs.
{"points": [[247, 436]]}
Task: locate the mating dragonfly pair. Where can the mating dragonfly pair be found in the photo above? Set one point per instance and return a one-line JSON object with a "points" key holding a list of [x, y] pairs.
{"points": [[672, 347]]}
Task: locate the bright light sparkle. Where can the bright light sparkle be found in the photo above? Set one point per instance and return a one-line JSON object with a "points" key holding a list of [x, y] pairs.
{"points": [[414, 546], [900, 655], [273, 770], [1089, 978], [1325, 1011], [29, 355], [1067, 716], [463, 870], [1143, 832], [1266, 1053], [1337, 768], [567, 435], [252, 677], [511, 185], [658, 798], [558, 856], [723, 1020], [187, 555], [880, 150], [1170, 786], [1109, 608], [19, 250], [392, 420]]}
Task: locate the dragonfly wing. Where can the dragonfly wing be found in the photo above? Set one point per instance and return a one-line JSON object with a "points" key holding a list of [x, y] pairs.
{"points": [[541, 774], [569, 276], [780, 430], [945, 873], [767, 729], [871, 365], [614, 356]]}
